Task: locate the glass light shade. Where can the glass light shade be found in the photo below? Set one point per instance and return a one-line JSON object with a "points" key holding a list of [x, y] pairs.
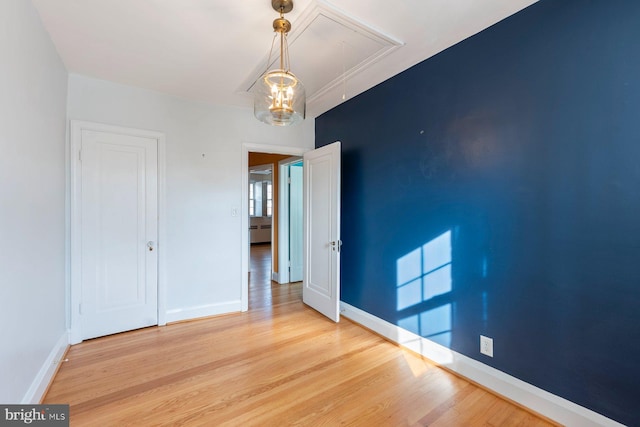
{"points": [[279, 98]]}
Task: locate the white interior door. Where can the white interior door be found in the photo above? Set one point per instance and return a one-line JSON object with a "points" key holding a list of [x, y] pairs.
{"points": [[295, 223], [119, 227], [321, 286]]}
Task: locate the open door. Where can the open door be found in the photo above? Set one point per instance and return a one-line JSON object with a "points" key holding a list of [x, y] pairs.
{"points": [[321, 285], [296, 231], [290, 219]]}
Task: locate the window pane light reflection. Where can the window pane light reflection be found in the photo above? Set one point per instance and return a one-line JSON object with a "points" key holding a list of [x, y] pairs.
{"points": [[422, 275]]}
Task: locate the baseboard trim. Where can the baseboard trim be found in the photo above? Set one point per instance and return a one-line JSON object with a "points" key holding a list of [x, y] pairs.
{"points": [[40, 384], [275, 276], [537, 400], [189, 313]]}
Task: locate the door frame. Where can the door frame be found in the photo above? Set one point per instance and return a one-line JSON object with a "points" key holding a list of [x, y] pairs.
{"points": [[284, 229], [244, 206], [73, 237]]}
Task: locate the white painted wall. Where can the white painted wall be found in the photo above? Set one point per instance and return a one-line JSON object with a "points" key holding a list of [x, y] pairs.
{"points": [[33, 92], [203, 183]]}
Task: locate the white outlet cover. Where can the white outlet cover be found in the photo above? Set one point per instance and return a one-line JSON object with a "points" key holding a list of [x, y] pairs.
{"points": [[486, 345]]}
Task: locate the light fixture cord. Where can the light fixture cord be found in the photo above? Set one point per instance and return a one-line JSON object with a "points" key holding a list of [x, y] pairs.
{"points": [[284, 48], [273, 42], [281, 40], [287, 65], [344, 77]]}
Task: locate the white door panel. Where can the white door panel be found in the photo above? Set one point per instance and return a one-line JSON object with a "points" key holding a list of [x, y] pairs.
{"points": [[118, 220], [321, 287]]}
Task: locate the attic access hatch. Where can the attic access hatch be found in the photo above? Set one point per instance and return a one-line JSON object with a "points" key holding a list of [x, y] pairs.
{"points": [[326, 48]]}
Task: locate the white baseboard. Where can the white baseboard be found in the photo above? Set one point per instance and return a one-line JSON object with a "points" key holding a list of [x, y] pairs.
{"points": [[540, 401], [188, 313], [40, 383], [275, 276]]}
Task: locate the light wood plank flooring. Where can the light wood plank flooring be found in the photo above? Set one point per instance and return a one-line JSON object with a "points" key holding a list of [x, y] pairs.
{"points": [[279, 364]]}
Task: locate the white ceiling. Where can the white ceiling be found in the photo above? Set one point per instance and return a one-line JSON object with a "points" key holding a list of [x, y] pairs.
{"points": [[212, 50]]}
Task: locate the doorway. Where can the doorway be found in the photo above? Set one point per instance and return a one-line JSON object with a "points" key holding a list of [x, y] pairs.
{"points": [[321, 211], [268, 207], [256, 155]]}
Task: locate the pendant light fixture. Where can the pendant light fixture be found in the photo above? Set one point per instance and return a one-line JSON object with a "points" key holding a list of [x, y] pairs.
{"points": [[279, 97]]}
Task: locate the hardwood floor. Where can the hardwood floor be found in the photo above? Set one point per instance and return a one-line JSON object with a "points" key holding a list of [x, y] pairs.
{"points": [[263, 292], [281, 363]]}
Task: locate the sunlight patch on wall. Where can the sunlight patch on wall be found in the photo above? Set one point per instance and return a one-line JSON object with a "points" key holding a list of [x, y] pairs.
{"points": [[409, 279], [423, 274]]}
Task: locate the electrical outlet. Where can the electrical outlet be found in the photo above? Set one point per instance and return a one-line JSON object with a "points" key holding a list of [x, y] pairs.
{"points": [[486, 345]]}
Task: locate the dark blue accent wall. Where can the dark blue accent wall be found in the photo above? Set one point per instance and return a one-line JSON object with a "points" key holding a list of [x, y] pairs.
{"points": [[520, 147]]}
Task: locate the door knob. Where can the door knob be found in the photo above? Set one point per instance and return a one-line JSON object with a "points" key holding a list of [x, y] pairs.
{"points": [[150, 245]]}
